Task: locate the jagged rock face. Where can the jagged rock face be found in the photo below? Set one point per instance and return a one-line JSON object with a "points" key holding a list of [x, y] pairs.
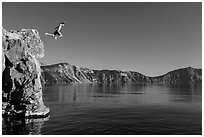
{"points": [[63, 73], [66, 73], [21, 72], [181, 76]]}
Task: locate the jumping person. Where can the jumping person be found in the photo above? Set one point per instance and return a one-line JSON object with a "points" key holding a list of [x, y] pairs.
{"points": [[57, 32]]}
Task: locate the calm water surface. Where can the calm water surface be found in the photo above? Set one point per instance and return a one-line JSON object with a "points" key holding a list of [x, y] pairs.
{"points": [[102, 109]]}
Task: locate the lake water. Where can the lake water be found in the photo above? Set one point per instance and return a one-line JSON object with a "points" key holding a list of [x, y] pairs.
{"points": [[129, 109]]}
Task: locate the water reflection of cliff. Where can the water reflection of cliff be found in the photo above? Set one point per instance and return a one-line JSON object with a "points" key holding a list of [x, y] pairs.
{"points": [[131, 94], [15, 126], [63, 93], [186, 92]]}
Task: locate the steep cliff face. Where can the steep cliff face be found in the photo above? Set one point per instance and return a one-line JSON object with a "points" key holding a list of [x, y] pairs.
{"points": [[181, 76], [66, 73], [63, 73], [21, 72]]}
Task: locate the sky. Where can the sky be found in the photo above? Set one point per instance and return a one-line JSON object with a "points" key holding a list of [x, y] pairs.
{"points": [[150, 38]]}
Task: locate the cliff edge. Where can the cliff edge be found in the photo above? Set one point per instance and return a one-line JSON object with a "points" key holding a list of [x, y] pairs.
{"points": [[21, 72]]}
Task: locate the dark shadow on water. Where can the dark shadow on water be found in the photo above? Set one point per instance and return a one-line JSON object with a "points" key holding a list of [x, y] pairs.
{"points": [[15, 126]]}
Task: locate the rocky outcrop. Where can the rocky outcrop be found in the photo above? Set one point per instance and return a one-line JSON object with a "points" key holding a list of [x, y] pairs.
{"points": [[66, 73], [21, 72]]}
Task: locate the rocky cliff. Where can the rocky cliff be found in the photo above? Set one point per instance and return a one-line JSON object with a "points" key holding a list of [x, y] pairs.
{"points": [[21, 72], [187, 75], [66, 73]]}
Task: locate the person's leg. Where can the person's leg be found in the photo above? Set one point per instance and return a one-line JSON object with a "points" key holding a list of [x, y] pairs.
{"points": [[49, 34], [60, 35]]}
